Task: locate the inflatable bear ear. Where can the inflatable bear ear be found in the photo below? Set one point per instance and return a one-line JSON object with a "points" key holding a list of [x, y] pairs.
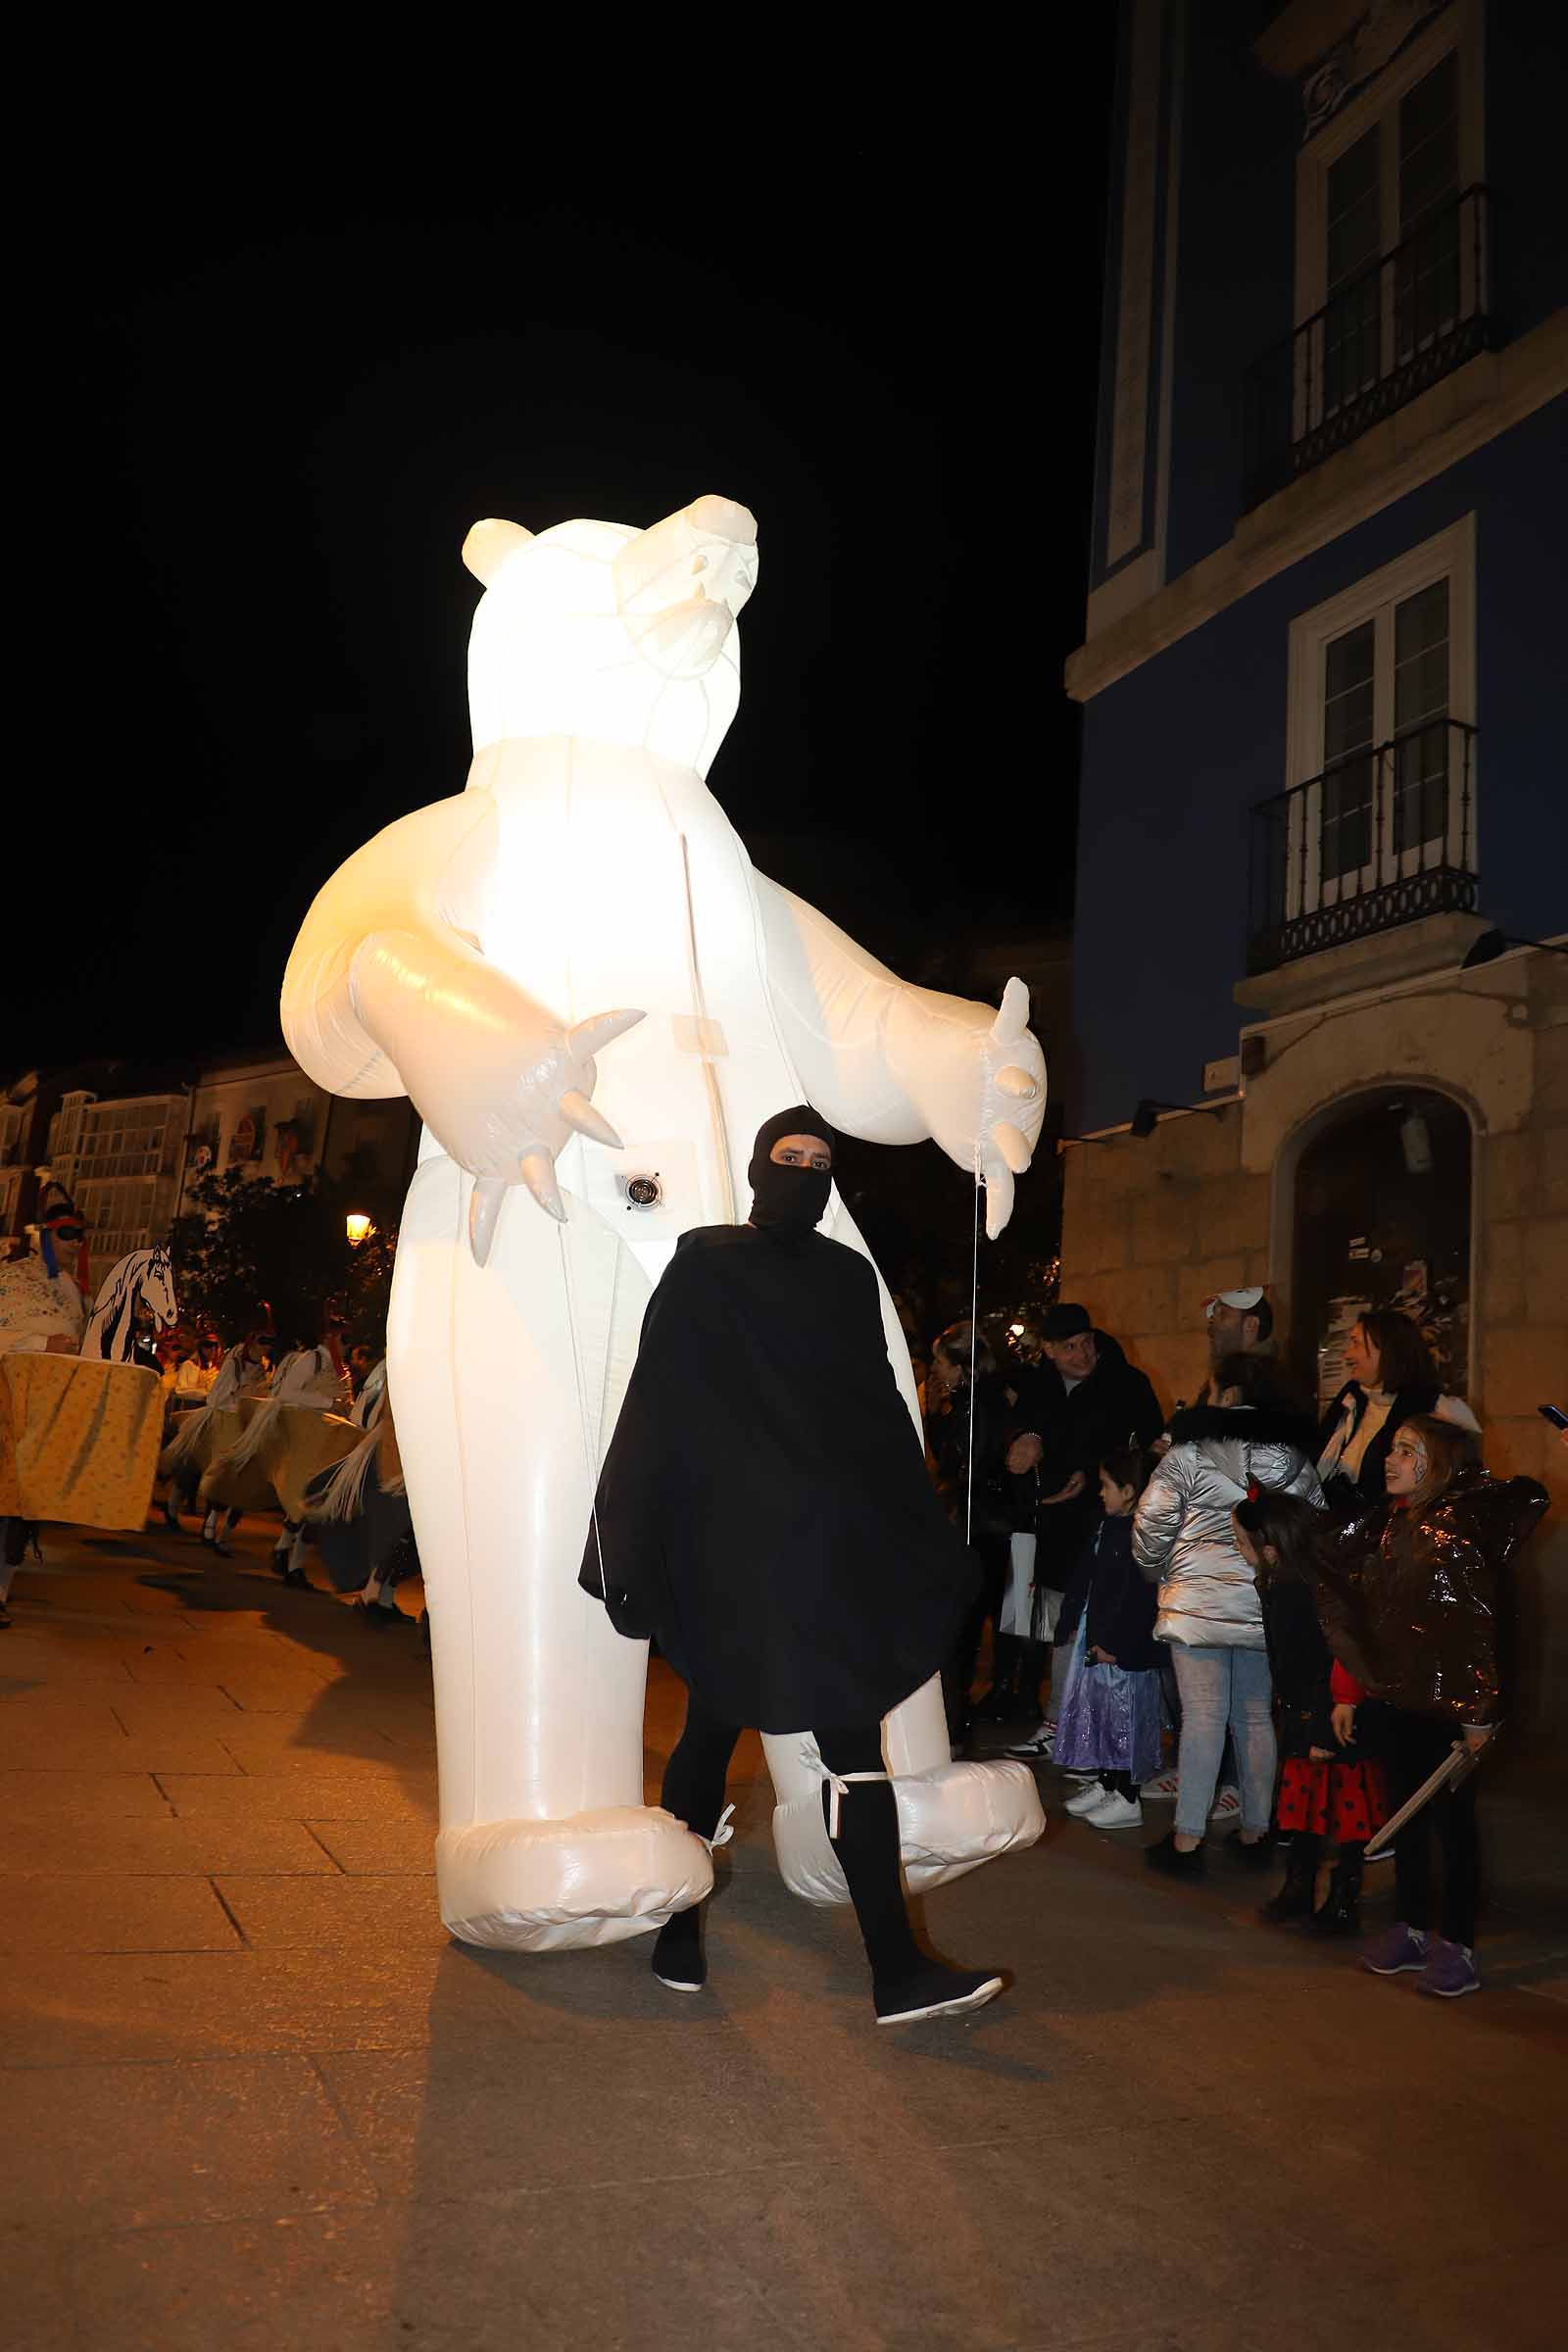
{"points": [[489, 544]]}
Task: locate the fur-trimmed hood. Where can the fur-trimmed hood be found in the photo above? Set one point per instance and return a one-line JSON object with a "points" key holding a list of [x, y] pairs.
{"points": [[1182, 1537], [1255, 1425]]}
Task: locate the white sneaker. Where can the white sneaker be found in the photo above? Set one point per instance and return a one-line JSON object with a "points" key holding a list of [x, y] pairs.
{"points": [[1162, 1788], [1227, 1805], [1116, 1812], [1093, 1793], [1037, 1748]]}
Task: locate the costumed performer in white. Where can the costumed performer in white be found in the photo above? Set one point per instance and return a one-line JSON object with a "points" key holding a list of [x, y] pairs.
{"points": [[473, 957], [43, 1312], [312, 1376], [243, 1372], [764, 1512]]}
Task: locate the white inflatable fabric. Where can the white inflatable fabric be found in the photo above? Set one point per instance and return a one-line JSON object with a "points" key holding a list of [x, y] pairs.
{"points": [[951, 1817], [586, 897], [37, 1306]]}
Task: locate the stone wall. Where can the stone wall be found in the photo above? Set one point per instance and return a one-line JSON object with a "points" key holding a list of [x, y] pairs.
{"points": [[1152, 1228]]}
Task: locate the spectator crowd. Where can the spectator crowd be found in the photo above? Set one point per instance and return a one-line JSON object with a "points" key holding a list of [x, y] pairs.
{"points": [[1313, 1613], [1288, 1627]]}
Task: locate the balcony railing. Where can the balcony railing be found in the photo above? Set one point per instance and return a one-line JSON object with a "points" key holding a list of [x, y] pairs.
{"points": [[1381, 339], [1381, 838]]}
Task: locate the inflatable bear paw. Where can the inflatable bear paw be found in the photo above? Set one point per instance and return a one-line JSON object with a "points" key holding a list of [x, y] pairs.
{"points": [[559, 1885]]}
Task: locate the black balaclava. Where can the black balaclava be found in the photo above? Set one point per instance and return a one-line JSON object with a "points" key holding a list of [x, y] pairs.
{"points": [[789, 1201]]}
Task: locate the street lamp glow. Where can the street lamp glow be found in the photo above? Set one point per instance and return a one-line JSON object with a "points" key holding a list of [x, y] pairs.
{"points": [[358, 1228]]}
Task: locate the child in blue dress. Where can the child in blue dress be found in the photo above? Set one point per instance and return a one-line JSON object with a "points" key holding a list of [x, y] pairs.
{"points": [[1108, 1723]]}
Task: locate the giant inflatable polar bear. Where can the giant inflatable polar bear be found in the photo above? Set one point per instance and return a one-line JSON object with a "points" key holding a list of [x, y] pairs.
{"points": [[585, 900]]}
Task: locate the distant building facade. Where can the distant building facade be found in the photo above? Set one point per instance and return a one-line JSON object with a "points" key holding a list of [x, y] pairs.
{"points": [[119, 1158], [254, 1115], [132, 1147], [1325, 704], [16, 1132]]}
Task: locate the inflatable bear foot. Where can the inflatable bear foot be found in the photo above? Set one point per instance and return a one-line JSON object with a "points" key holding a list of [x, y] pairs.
{"points": [[951, 1820], [560, 1885]]}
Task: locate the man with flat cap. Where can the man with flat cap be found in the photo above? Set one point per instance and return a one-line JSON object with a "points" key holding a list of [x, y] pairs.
{"points": [[764, 1512]]}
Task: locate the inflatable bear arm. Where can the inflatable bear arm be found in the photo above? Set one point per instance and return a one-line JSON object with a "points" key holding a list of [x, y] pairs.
{"points": [[420, 878], [892, 1063], [389, 992]]}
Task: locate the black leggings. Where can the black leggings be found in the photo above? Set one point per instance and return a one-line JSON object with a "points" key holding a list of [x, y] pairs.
{"points": [[864, 1837], [1417, 1746], [694, 1777]]}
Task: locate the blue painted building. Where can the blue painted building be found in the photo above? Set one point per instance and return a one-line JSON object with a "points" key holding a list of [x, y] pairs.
{"points": [[1325, 688]]}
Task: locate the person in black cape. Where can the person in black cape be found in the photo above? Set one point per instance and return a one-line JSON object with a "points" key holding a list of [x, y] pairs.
{"points": [[764, 1512]]}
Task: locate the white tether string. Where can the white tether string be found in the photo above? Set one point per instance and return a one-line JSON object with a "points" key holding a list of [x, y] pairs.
{"points": [[836, 1783], [974, 1346]]}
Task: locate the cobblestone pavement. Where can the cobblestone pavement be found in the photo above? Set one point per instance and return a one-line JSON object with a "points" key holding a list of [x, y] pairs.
{"points": [[255, 2097]]}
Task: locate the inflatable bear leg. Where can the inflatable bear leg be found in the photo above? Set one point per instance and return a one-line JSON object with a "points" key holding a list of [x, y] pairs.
{"points": [[501, 1378], [951, 1817]]}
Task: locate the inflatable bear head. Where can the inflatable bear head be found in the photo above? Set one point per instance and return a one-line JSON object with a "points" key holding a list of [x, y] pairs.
{"points": [[623, 636]]}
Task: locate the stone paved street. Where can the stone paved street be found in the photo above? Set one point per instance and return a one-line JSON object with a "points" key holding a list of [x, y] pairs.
{"points": [[254, 2096]]}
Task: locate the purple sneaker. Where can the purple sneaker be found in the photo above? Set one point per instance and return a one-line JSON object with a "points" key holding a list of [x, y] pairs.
{"points": [[1450, 1970], [1393, 1952]]}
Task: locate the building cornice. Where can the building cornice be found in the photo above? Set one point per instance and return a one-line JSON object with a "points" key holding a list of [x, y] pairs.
{"points": [[1303, 32], [1495, 392]]}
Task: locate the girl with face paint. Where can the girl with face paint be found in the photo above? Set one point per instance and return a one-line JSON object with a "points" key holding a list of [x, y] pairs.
{"points": [[764, 1511]]}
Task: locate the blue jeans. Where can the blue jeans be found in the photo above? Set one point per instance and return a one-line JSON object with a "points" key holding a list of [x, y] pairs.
{"points": [[1220, 1687]]}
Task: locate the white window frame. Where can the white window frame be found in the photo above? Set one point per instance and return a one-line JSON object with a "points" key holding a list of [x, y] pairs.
{"points": [[1449, 556], [1461, 26]]}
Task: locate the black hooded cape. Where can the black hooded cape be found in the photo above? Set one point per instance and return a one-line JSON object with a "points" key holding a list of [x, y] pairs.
{"points": [[764, 1509]]}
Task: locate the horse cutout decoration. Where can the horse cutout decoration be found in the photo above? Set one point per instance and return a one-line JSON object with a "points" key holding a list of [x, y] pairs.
{"points": [[142, 1277]]}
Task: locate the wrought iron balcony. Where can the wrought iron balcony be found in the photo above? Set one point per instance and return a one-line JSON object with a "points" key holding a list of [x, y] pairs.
{"points": [[1381, 838], [1379, 340]]}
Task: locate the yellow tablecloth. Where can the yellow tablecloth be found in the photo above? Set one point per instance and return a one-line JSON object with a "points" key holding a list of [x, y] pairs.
{"points": [[78, 1439]]}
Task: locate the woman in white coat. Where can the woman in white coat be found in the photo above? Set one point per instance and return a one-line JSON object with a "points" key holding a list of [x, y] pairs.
{"points": [[1209, 1606]]}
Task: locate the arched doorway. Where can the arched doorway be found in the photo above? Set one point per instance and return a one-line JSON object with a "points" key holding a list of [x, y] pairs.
{"points": [[1383, 1219]]}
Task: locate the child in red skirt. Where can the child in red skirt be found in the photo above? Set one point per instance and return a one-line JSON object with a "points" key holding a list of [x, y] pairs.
{"points": [[1330, 1794]]}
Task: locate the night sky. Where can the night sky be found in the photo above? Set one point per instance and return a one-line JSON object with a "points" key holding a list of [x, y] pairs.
{"points": [[297, 396]]}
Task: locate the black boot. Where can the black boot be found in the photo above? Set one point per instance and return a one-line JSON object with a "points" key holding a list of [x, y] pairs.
{"points": [[1294, 1900], [1034, 1664], [679, 1961], [997, 1704], [1339, 1912], [904, 1985]]}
